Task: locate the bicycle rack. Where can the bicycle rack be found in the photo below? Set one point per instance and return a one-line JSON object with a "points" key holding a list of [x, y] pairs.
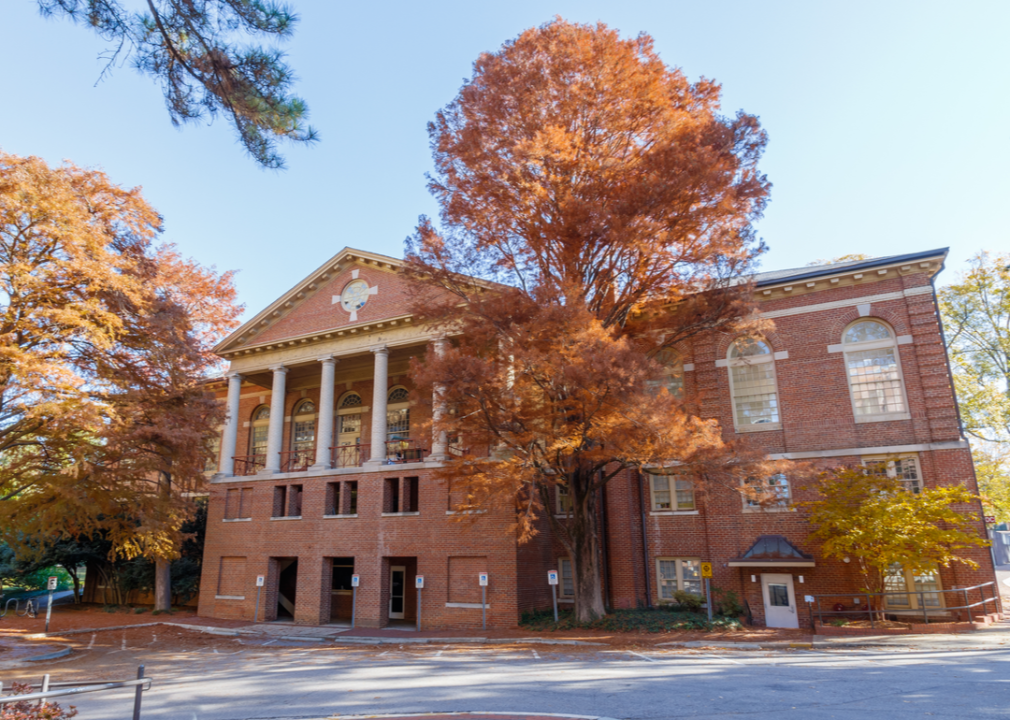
{"points": [[31, 608]]}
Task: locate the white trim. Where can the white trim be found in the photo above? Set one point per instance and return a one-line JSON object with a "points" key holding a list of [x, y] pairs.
{"points": [[776, 563], [466, 512], [687, 367], [247, 519], [851, 302], [904, 339], [889, 344], [229, 597], [781, 355], [659, 513], [400, 514], [883, 417], [878, 450], [721, 362], [332, 517], [468, 606], [288, 517]]}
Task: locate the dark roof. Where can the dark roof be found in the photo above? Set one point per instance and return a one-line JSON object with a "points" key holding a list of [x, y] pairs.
{"points": [[811, 271], [773, 547]]}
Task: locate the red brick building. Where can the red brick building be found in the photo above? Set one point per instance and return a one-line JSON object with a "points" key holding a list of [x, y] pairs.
{"points": [[325, 474]]}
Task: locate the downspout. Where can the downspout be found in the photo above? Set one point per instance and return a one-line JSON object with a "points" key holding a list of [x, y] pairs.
{"points": [[960, 428], [645, 542]]}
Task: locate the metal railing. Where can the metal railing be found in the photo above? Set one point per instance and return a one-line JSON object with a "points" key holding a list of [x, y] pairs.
{"points": [[78, 688], [404, 451], [872, 611], [344, 456], [298, 460], [249, 464]]}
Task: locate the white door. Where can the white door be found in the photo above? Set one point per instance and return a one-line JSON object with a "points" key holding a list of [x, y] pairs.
{"points": [[780, 601], [397, 577]]}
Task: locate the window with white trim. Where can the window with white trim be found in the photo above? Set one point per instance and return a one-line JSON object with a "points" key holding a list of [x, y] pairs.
{"points": [[258, 432], [673, 574], [770, 493], [566, 581], [910, 584], [753, 386], [398, 414], [303, 433], [679, 499], [672, 377], [873, 369], [903, 467]]}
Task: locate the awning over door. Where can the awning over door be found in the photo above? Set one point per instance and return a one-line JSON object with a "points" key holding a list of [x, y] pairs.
{"points": [[773, 551]]}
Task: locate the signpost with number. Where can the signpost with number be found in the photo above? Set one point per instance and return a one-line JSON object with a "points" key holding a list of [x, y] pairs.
{"points": [[261, 580], [419, 584], [51, 584], [706, 572], [355, 581], [552, 580], [482, 579]]}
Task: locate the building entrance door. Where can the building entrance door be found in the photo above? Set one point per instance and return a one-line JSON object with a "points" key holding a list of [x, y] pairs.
{"points": [[780, 601], [397, 578]]}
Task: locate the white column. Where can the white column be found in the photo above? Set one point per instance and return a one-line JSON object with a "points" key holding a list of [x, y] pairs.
{"points": [[226, 464], [380, 394], [439, 441], [324, 416], [275, 434]]}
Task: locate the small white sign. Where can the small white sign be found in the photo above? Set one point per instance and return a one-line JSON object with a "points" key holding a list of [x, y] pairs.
{"points": [[419, 582], [261, 580], [552, 577], [808, 598], [482, 578], [355, 580], [53, 580]]}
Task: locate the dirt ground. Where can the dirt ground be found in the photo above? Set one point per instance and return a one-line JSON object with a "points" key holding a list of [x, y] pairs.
{"points": [[78, 617]]}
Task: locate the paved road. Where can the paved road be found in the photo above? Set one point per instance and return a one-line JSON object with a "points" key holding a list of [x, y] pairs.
{"points": [[315, 682]]}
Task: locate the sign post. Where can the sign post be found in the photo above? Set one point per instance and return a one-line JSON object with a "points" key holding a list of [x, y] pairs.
{"points": [[419, 584], [355, 581], [482, 579], [552, 580], [260, 582], [706, 572], [49, 608]]}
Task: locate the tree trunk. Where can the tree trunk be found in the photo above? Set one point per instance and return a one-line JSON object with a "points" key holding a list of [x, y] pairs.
{"points": [[162, 585], [584, 534], [72, 572]]}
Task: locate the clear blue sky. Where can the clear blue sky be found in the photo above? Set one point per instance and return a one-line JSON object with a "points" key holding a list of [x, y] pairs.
{"points": [[888, 122]]}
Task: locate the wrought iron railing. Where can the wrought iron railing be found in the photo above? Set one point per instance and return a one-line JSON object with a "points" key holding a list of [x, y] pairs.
{"points": [[874, 606], [248, 464], [404, 451], [298, 460], [345, 456]]}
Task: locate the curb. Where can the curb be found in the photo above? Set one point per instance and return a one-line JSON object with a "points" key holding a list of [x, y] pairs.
{"points": [[452, 641], [383, 716], [62, 652]]}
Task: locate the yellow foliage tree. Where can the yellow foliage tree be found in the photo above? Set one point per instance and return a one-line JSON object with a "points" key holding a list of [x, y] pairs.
{"points": [[872, 519]]}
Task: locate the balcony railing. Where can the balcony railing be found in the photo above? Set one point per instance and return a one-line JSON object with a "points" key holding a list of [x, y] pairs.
{"points": [[404, 451], [298, 460], [345, 456], [249, 464]]}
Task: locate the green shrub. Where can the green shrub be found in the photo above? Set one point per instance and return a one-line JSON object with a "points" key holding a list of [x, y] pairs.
{"points": [[139, 611], [663, 619], [688, 601], [727, 602]]}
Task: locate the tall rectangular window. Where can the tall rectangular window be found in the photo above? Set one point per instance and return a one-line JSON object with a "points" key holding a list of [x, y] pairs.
{"points": [[678, 574], [680, 499], [753, 387], [905, 468], [352, 497], [332, 498], [770, 493], [566, 586]]}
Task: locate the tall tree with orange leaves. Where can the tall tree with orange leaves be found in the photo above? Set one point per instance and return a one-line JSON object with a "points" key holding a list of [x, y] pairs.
{"points": [[104, 421], [596, 211]]}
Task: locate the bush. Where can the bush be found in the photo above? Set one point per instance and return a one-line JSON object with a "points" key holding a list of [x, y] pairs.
{"points": [[45, 710], [727, 602], [688, 601], [664, 619]]}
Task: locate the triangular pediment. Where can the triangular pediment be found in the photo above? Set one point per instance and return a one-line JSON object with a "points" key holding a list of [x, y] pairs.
{"points": [[352, 289]]}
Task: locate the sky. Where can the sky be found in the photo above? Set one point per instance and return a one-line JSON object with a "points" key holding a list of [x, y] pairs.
{"points": [[887, 123]]}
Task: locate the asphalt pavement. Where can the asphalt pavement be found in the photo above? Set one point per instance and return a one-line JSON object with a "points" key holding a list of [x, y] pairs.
{"points": [[318, 681]]}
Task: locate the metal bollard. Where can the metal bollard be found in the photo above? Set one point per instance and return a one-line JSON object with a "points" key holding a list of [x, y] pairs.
{"points": [[139, 694]]}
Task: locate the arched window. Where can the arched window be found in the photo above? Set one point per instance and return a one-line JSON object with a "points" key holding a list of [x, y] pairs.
{"points": [[874, 372], [303, 433], [753, 386], [672, 377], [398, 414], [348, 425], [258, 432]]}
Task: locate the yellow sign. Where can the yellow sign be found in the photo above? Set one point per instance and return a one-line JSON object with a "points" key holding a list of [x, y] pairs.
{"points": [[706, 570]]}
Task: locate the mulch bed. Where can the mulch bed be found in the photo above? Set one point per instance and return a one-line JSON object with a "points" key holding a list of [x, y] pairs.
{"points": [[79, 617]]}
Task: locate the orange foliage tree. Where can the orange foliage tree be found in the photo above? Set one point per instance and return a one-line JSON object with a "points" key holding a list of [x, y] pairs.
{"points": [[596, 209], [107, 339]]}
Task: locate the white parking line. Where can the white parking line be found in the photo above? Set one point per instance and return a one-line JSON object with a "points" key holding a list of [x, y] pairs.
{"points": [[536, 655], [92, 643], [646, 657]]}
